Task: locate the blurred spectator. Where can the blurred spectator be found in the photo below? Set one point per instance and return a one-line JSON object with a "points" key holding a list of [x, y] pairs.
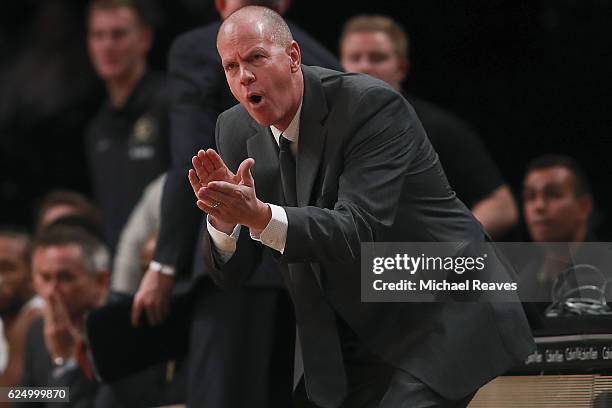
{"points": [[61, 203], [137, 235], [557, 200], [126, 142], [49, 92], [378, 46], [18, 304], [70, 269], [557, 203]]}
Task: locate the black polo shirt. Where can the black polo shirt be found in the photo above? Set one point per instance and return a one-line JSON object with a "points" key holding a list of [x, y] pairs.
{"points": [[126, 149], [470, 169]]}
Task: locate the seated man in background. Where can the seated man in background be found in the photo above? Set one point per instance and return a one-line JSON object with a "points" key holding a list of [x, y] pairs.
{"points": [[378, 46], [70, 269], [557, 200], [18, 304], [557, 203]]}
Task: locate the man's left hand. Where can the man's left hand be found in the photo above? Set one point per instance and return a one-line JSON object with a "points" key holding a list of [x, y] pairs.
{"points": [[237, 203]]}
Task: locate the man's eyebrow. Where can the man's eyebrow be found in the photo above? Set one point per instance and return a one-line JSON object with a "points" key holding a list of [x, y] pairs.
{"points": [[255, 50], [224, 62]]}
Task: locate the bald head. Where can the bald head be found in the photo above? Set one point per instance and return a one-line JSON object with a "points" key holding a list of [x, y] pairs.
{"points": [[264, 21], [262, 65]]}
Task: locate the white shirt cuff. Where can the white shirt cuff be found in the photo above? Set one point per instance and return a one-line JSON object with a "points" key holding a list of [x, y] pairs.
{"points": [[162, 268], [275, 233], [224, 244]]}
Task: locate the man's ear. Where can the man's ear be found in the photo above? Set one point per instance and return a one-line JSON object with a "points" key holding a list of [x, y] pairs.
{"points": [[103, 280], [296, 56], [586, 205], [147, 39], [404, 69]]}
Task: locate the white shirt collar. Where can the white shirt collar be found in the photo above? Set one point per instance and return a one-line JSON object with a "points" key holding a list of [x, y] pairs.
{"points": [[293, 130]]}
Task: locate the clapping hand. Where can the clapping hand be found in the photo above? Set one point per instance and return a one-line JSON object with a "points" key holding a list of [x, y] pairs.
{"points": [[227, 198]]}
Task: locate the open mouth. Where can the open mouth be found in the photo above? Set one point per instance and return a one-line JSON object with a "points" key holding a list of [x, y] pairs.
{"points": [[255, 99]]}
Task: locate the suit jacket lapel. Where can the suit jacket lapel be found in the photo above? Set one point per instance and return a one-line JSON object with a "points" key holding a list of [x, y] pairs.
{"points": [[312, 136], [263, 148]]}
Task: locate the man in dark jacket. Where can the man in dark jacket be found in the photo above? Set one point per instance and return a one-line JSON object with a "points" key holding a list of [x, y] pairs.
{"points": [[241, 339], [126, 142], [339, 160]]}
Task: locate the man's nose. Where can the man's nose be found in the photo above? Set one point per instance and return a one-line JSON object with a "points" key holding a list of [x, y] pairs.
{"points": [[540, 203], [104, 41], [246, 76], [364, 66], [49, 288]]}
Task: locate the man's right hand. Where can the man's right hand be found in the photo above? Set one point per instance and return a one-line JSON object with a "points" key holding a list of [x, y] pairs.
{"points": [[209, 166], [153, 297]]}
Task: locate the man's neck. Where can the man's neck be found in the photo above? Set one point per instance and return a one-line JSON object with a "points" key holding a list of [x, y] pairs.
{"points": [[298, 88], [581, 233], [120, 89]]}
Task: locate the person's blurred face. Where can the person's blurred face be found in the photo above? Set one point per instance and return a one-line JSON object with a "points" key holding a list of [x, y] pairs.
{"points": [[14, 274], [60, 269], [552, 211], [260, 73], [372, 53], [118, 42]]}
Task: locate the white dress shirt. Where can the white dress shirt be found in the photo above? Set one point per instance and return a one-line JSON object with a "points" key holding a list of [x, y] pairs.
{"points": [[274, 235]]}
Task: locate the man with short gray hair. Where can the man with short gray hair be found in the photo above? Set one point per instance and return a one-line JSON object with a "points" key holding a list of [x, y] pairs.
{"points": [[70, 270]]}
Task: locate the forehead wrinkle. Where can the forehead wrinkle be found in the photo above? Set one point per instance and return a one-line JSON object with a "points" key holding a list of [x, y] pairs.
{"points": [[237, 36], [235, 42]]}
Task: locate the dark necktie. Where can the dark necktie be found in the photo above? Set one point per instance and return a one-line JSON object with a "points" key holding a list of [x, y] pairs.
{"points": [[324, 374], [287, 171]]}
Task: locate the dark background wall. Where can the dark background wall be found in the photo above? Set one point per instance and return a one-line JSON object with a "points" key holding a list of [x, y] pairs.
{"points": [[531, 76]]}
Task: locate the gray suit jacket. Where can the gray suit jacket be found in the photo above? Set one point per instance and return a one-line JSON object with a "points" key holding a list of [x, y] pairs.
{"points": [[366, 172], [199, 93]]}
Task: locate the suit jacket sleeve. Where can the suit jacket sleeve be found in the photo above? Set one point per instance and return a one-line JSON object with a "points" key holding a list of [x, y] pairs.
{"points": [[384, 140], [195, 87]]}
